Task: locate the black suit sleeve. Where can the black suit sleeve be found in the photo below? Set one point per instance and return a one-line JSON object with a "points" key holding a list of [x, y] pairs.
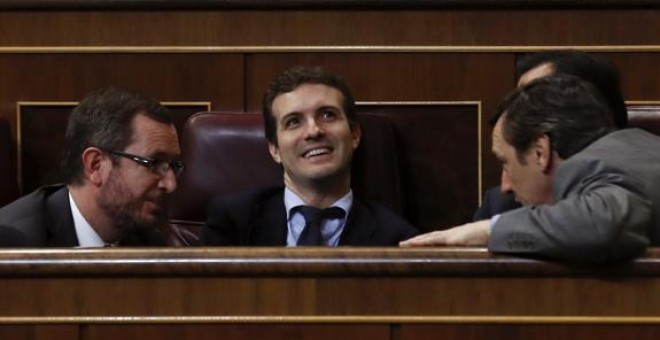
{"points": [[220, 228], [10, 237]]}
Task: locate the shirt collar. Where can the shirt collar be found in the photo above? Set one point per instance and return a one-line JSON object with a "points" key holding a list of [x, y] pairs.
{"points": [[291, 200], [87, 236]]}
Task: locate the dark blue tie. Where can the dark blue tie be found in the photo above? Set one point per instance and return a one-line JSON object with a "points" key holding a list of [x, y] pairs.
{"points": [[314, 217]]}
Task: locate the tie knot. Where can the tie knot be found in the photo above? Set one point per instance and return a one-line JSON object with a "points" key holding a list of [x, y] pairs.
{"points": [[315, 215], [311, 234]]}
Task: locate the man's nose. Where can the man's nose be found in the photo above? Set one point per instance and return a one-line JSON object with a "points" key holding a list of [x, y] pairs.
{"points": [[168, 181], [505, 183], [313, 129]]}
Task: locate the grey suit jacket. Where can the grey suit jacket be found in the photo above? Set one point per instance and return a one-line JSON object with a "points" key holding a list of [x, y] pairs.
{"points": [[44, 219], [258, 218], [607, 205]]}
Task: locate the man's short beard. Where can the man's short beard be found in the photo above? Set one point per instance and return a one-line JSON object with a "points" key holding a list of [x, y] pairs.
{"points": [[123, 209]]}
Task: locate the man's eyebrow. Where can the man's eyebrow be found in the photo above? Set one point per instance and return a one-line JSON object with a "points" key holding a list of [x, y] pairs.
{"points": [[160, 155], [289, 114], [325, 107]]}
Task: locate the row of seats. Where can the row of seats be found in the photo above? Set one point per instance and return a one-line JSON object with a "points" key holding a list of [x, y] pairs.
{"points": [[226, 152]]}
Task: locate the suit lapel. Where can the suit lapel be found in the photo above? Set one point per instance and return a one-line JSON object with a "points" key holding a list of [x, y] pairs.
{"points": [[359, 230], [61, 230], [269, 226]]}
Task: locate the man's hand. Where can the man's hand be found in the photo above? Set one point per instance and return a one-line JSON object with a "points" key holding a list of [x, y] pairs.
{"points": [[471, 234]]}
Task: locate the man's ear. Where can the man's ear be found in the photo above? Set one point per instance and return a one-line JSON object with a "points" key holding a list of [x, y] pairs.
{"points": [[543, 153], [92, 162], [356, 132], [274, 152]]}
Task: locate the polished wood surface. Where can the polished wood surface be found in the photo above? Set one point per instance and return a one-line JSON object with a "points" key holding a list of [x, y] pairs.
{"points": [[268, 282], [301, 262], [379, 293], [480, 29], [307, 4]]}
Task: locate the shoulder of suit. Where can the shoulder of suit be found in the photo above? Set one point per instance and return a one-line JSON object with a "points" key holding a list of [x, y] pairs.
{"points": [[378, 213], [31, 201], [26, 206]]}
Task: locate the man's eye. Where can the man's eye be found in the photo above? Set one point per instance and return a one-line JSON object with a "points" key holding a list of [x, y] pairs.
{"points": [[292, 122], [329, 115]]}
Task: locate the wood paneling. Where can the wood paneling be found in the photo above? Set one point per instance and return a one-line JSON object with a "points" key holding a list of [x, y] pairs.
{"points": [[236, 332], [426, 27], [168, 77], [273, 283], [640, 75], [439, 175], [39, 332], [199, 293], [529, 331]]}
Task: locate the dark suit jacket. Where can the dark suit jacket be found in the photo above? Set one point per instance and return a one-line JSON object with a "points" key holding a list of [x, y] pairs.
{"points": [[259, 219], [495, 202], [44, 219], [10, 237]]}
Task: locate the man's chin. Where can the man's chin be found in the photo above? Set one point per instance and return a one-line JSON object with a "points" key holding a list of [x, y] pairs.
{"points": [[154, 219]]}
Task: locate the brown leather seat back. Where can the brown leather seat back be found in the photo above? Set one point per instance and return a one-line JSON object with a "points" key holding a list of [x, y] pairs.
{"points": [[227, 153], [223, 153], [645, 117]]}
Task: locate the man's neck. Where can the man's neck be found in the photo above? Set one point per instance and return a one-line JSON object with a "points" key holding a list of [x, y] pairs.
{"points": [[318, 194], [88, 207]]}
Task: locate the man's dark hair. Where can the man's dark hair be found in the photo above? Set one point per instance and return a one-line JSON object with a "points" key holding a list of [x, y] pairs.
{"points": [[566, 108], [291, 79], [595, 69], [103, 119]]}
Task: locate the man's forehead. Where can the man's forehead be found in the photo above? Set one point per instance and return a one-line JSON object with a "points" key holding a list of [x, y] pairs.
{"points": [[153, 136], [497, 138], [306, 96]]}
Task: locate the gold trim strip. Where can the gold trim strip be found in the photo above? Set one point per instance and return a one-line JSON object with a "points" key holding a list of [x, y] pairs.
{"points": [[207, 104], [480, 177], [642, 102], [324, 48], [420, 103], [596, 320]]}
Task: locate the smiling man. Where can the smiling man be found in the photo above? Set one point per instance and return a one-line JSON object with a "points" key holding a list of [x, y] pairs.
{"points": [[120, 166], [589, 192], [312, 130]]}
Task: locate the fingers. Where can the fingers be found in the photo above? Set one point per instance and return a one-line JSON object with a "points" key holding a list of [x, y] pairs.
{"points": [[435, 238]]}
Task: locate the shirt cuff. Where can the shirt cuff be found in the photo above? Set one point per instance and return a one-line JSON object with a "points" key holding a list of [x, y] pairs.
{"points": [[493, 220]]}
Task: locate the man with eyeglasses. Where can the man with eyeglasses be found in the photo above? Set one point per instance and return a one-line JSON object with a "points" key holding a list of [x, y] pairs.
{"points": [[120, 166]]}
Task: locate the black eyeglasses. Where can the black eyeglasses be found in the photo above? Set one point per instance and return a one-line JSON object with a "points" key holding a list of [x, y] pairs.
{"points": [[155, 165]]}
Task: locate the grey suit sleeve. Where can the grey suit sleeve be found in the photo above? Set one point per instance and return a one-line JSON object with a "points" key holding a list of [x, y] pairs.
{"points": [[600, 215]]}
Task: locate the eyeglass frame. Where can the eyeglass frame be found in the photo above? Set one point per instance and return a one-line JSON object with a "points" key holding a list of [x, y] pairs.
{"points": [[150, 163]]}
